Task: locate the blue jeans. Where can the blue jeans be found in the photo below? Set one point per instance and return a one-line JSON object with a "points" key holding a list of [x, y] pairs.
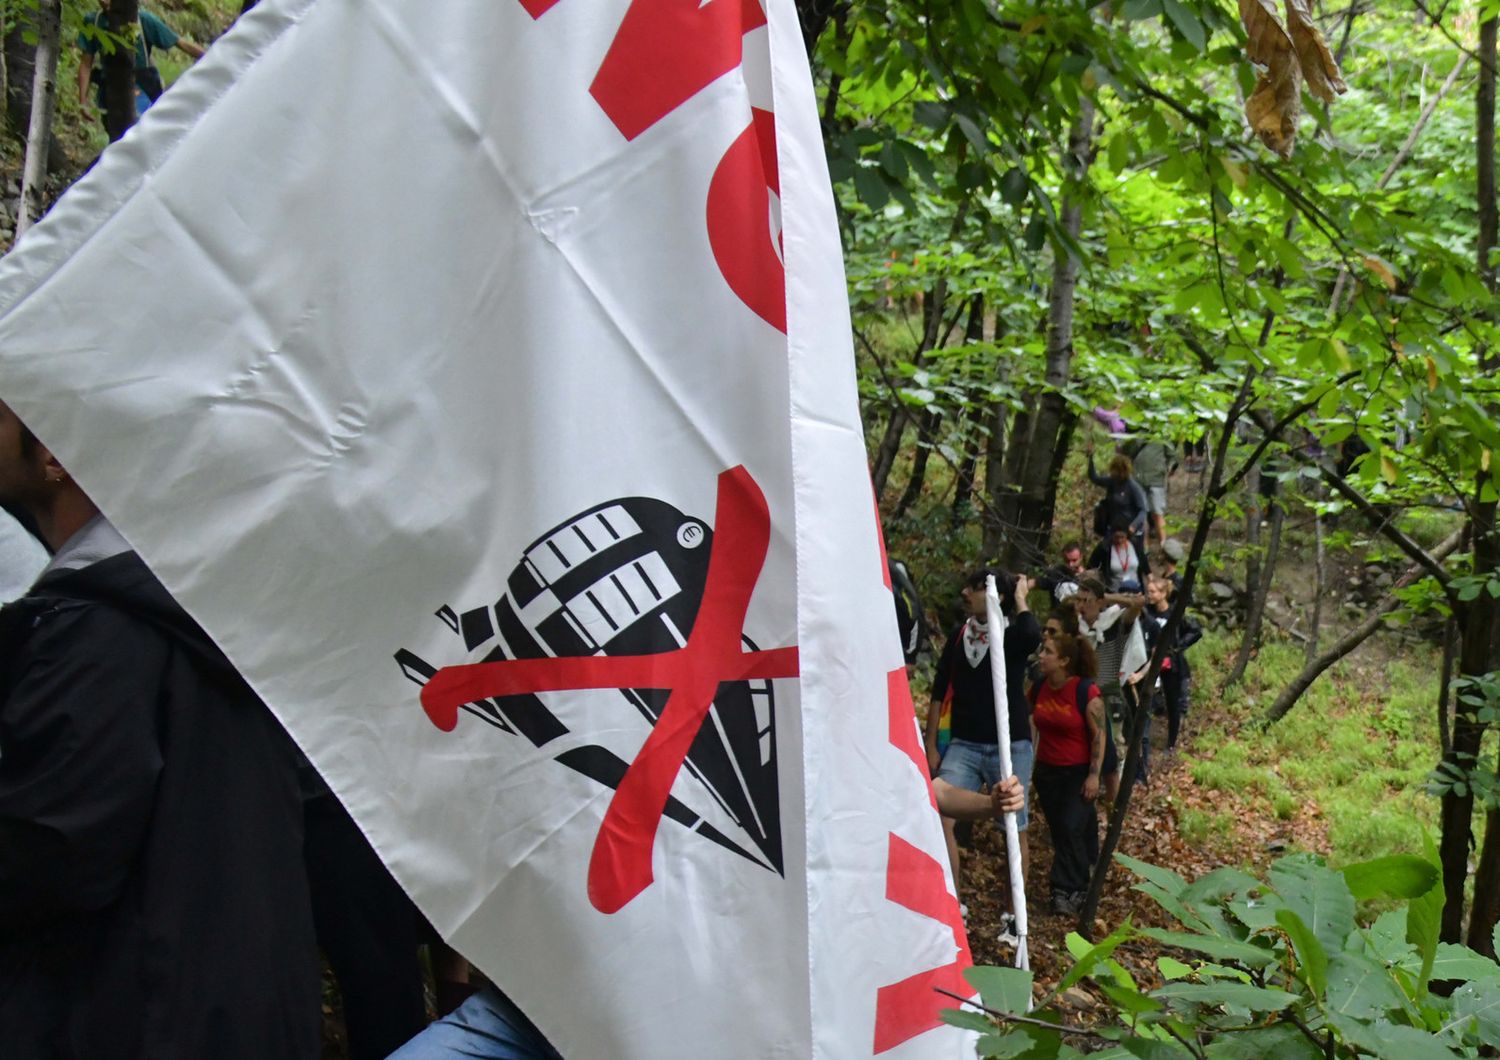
{"points": [[973, 765], [488, 1026]]}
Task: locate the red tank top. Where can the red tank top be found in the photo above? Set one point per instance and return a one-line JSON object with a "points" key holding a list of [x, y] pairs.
{"points": [[1063, 735]]}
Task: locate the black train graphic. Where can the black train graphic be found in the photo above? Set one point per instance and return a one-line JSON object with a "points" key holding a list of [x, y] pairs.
{"points": [[626, 578]]}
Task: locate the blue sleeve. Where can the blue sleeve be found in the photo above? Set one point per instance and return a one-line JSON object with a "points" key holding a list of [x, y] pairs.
{"points": [[156, 32]]}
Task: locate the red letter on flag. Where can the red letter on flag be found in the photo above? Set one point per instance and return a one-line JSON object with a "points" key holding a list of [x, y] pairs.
{"points": [[665, 53]]}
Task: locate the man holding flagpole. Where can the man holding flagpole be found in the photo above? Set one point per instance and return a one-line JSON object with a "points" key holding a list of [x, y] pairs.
{"points": [[972, 759]]}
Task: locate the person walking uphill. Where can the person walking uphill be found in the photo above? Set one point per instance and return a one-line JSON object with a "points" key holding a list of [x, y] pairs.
{"points": [[1123, 498], [963, 676], [151, 34], [153, 901], [1068, 719]]}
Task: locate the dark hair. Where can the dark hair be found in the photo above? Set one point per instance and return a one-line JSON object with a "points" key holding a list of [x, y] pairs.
{"points": [[1065, 614], [1120, 522], [28, 442], [1005, 586], [1089, 583], [1082, 662], [1072, 546], [1120, 467]]}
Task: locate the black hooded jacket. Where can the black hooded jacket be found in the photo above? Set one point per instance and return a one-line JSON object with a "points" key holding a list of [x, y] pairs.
{"points": [[153, 899]]}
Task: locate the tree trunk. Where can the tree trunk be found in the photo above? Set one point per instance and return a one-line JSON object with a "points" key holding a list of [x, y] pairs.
{"points": [[1476, 658], [925, 440], [119, 69], [1259, 590], [43, 99], [1354, 638], [1320, 577], [1028, 497], [1252, 573], [1445, 689], [972, 437], [813, 14], [20, 68], [968, 468], [1480, 623]]}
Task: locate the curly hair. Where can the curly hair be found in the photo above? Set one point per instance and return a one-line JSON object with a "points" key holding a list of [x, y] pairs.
{"points": [[1078, 653]]}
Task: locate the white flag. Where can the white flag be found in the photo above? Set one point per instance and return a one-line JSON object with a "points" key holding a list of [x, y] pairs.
{"points": [[479, 376]]}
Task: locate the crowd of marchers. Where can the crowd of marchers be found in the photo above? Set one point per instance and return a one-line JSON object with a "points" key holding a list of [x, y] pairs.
{"points": [[1074, 679]]}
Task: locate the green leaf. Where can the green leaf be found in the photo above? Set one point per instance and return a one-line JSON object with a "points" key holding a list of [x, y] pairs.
{"points": [[930, 113], [1186, 22], [1460, 962], [1166, 879], [1385, 1039], [972, 132], [871, 187], [1014, 185], [1424, 920], [1086, 957], [1386, 938], [1154, 1050], [1171, 969], [1476, 1012], [1238, 995], [1128, 1000], [1318, 895], [1280, 1041], [1220, 949], [1396, 876], [1002, 989], [968, 1019], [1310, 953], [1362, 988]]}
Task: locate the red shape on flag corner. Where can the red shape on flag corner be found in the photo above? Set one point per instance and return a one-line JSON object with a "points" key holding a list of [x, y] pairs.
{"points": [[903, 1010]]}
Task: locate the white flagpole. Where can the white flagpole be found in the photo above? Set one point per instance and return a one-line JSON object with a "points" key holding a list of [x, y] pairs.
{"points": [[997, 623]]}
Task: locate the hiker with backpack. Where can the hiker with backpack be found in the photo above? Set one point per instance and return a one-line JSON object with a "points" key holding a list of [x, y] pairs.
{"points": [[1123, 498], [1068, 734], [151, 34]]}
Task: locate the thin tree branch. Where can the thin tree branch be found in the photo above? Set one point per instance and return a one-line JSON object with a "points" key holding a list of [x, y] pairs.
{"points": [[1030, 1021]]}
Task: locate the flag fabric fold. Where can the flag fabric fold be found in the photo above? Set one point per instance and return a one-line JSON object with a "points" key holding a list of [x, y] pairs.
{"points": [[479, 377]]}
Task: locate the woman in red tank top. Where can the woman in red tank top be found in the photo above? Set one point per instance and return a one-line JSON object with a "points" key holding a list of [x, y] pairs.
{"points": [[1069, 744]]}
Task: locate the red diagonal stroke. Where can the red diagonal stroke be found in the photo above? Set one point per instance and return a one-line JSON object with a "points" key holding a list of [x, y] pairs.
{"points": [[620, 867], [903, 726], [911, 1007]]}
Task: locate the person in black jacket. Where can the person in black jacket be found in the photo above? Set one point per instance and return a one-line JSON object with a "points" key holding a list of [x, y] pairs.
{"points": [[153, 900], [972, 759], [1174, 668], [1123, 496]]}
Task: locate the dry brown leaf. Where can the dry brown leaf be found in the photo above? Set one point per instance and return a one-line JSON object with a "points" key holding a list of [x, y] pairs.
{"points": [[1319, 68], [1381, 269], [1268, 38], [1275, 104]]}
